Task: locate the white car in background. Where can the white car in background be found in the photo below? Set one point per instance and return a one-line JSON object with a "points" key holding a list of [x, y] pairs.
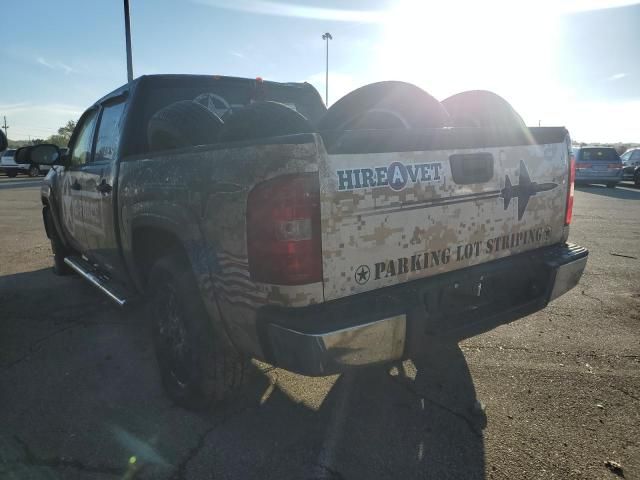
{"points": [[9, 166]]}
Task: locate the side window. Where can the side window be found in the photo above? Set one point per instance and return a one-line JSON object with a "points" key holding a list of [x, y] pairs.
{"points": [[81, 151], [625, 156], [636, 157], [109, 132]]}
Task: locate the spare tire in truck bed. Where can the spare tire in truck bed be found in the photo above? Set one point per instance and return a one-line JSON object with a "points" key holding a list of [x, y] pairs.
{"points": [[183, 124], [481, 108], [385, 105], [263, 119]]}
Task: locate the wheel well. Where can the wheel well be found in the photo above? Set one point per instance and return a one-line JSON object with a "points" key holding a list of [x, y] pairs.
{"points": [[152, 243], [45, 211]]}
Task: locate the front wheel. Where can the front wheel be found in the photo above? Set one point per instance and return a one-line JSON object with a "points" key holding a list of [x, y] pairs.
{"points": [[196, 366], [636, 179], [57, 247], [34, 171], [12, 173]]}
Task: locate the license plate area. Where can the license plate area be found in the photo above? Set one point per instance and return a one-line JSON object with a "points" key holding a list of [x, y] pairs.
{"points": [[471, 298]]}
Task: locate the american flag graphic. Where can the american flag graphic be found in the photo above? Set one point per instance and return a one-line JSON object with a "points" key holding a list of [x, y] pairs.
{"points": [[233, 282]]}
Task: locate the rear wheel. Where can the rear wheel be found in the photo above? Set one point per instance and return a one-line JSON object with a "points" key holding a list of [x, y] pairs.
{"points": [[385, 105], [12, 173], [34, 171], [636, 178], [196, 366], [57, 247], [484, 109], [611, 184]]}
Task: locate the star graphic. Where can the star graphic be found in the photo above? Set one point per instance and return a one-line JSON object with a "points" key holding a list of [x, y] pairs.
{"points": [[362, 274]]}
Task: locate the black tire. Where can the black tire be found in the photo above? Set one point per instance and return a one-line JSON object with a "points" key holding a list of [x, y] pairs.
{"points": [[636, 178], [612, 185], [12, 173], [385, 105], [57, 247], [196, 365], [480, 108], [183, 124], [262, 120], [34, 171]]}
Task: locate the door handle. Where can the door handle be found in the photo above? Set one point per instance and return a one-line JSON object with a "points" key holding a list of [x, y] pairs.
{"points": [[76, 185], [104, 187]]}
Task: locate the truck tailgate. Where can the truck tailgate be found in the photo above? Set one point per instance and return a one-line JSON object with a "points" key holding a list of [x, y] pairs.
{"points": [[393, 217]]}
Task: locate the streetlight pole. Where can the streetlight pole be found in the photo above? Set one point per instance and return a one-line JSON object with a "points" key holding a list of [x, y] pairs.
{"points": [[127, 32], [327, 36]]}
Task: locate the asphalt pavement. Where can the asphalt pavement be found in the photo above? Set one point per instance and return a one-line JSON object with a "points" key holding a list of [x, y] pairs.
{"points": [[553, 395]]}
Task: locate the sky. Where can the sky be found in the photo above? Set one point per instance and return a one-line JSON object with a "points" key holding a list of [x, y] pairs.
{"points": [[558, 62]]}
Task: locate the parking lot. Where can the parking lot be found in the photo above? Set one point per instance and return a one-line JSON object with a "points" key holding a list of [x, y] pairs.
{"points": [[554, 395]]}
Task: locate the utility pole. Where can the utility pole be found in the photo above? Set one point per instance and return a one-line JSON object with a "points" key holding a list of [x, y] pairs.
{"points": [[5, 127], [327, 36], [127, 32]]}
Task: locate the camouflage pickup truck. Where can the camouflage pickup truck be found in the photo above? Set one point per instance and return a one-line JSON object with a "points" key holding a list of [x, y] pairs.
{"points": [[255, 223]]}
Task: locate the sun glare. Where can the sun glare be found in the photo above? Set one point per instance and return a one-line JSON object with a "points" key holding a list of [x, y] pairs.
{"points": [[448, 47]]}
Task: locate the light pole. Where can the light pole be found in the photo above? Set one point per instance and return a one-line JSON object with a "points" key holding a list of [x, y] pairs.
{"points": [[327, 36], [127, 32]]}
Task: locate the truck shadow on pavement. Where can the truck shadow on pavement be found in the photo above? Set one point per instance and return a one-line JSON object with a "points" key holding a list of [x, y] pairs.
{"points": [[80, 397]]}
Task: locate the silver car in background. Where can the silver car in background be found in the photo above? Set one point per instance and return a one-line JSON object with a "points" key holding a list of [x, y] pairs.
{"points": [[9, 166], [598, 165]]}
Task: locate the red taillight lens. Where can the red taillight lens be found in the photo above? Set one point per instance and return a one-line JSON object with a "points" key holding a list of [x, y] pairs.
{"points": [[572, 179], [283, 230]]}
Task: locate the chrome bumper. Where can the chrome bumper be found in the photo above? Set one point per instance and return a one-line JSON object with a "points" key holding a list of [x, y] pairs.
{"points": [[567, 277], [326, 353], [391, 323]]}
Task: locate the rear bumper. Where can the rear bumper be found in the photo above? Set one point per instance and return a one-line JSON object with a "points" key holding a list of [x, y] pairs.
{"points": [[396, 322], [603, 177]]}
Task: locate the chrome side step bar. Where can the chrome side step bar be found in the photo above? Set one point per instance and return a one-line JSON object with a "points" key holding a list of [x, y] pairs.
{"points": [[93, 276]]}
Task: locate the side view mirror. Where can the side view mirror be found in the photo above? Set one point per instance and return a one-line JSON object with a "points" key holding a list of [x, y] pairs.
{"points": [[3, 141], [43, 154]]}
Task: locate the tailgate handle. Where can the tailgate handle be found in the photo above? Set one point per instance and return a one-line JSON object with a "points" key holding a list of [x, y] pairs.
{"points": [[468, 168]]}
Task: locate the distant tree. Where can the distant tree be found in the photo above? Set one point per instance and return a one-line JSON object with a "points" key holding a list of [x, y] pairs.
{"points": [[621, 148], [18, 143], [67, 130], [37, 141], [59, 140]]}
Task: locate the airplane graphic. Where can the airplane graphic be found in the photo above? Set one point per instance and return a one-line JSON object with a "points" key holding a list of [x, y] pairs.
{"points": [[524, 190]]}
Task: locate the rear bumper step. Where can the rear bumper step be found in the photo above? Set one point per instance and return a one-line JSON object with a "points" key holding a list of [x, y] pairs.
{"points": [[396, 322], [99, 280]]}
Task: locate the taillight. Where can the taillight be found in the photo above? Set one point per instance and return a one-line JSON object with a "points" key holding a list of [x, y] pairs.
{"points": [[283, 230], [572, 179]]}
